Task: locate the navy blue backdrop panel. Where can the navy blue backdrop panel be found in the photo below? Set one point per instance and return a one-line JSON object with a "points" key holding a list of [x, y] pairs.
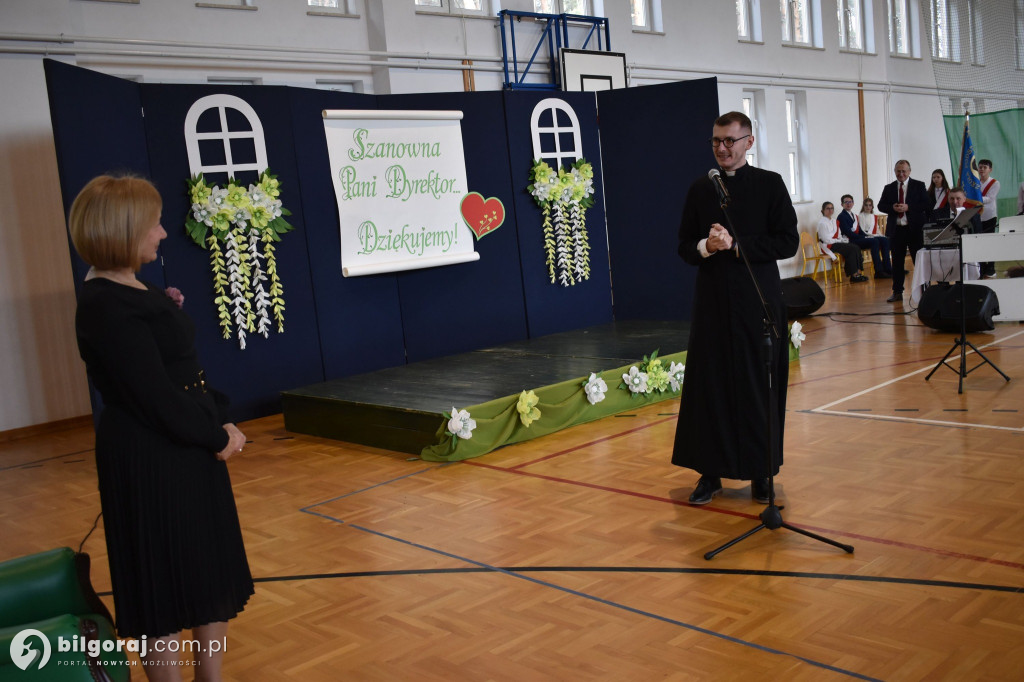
{"points": [[97, 129], [552, 308], [654, 140], [359, 318], [459, 308], [252, 377]]}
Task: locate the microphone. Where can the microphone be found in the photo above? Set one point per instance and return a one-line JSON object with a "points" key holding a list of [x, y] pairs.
{"points": [[716, 179]]}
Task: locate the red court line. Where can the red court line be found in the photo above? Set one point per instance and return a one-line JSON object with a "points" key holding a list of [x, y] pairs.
{"points": [[754, 517], [587, 444]]}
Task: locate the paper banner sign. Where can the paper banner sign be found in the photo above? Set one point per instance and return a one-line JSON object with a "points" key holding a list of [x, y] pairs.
{"points": [[482, 215]]}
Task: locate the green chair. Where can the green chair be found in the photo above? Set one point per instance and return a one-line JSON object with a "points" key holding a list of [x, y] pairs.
{"points": [[51, 593]]}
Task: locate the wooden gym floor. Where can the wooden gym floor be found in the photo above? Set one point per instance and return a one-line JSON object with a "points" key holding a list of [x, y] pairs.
{"points": [[576, 556]]}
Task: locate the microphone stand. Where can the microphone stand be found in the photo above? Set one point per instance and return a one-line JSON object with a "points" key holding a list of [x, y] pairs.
{"points": [[962, 343], [771, 517]]}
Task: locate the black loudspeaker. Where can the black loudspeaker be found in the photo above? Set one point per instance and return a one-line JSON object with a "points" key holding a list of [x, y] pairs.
{"points": [[940, 307], [802, 296]]}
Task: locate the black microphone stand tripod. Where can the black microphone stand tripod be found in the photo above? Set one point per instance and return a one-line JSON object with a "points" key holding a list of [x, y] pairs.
{"points": [[771, 517], [962, 343]]}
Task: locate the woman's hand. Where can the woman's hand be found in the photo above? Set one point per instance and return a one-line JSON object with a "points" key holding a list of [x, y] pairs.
{"points": [[236, 441]]}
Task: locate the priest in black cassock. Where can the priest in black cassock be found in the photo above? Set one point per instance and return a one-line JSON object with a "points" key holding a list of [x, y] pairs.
{"points": [[722, 430]]}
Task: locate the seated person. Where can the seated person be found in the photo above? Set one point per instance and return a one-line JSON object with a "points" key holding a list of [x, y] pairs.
{"points": [[957, 199], [870, 220], [833, 241], [849, 225], [938, 192]]}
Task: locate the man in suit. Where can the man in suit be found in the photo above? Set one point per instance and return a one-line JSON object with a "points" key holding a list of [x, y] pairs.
{"points": [[905, 201], [849, 225]]}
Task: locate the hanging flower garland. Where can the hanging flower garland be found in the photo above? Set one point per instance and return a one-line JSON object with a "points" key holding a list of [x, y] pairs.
{"points": [[241, 220], [564, 197]]}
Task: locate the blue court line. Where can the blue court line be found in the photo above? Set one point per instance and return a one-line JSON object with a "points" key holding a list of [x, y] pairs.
{"points": [[576, 593], [616, 605], [363, 490]]}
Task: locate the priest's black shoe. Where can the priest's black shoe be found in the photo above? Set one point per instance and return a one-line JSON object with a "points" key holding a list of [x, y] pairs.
{"points": [[895, 298], [707, 488], [858, 278], [759, 490]]}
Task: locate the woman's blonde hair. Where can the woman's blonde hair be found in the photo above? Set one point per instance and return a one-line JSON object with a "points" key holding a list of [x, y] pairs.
{"points": [[109, 217]]}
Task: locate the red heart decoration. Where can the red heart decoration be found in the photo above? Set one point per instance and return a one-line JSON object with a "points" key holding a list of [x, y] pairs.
{"points": [[482, 215]]}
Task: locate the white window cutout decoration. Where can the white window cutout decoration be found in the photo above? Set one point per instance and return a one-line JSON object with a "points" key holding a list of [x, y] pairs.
{"points": [[539, 133], [192, 137]]}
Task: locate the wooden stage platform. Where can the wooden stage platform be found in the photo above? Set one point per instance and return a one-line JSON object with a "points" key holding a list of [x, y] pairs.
{"points": [[400, 408]]}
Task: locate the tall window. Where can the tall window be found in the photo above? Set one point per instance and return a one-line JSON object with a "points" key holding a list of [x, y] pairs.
{"points": [[1019, 20], [640, 14], [853, 23], [899, 27], [974, 25], [752, 104], [943, 30], [797, 18], [796, 144], [563, 7], [452, 6], [748, 20]]}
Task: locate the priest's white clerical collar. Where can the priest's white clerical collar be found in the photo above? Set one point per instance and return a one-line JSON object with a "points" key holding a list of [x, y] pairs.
{"points": [[730, 173]]}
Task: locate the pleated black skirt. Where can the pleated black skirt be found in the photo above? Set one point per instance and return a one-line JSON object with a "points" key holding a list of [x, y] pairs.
{"points": [[174, 542]]}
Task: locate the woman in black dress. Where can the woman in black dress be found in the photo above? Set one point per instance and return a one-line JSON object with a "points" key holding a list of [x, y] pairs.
{"points": [[173, 539]]}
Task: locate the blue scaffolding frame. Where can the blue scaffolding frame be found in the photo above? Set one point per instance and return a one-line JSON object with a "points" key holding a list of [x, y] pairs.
{"points": [[555, 34]]}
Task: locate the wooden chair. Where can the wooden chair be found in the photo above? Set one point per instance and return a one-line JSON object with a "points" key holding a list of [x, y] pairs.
{"points": [[810, 249]]}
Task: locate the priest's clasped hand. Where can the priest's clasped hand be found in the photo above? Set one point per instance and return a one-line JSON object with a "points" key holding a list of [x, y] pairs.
{"points": [[719, 239]]}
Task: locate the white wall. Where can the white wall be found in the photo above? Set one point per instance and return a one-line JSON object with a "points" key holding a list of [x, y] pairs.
{"points": [[41, 377]]}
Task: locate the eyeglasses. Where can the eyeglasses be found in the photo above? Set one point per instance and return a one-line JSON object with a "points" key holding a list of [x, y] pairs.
{"points": [[717, 142], [848, 201]]}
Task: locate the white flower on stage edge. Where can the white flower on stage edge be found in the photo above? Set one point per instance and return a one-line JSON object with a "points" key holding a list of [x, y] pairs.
{"points": [[796, 334], [595, 388], [675, 375], [461, 425], [635, 380]]}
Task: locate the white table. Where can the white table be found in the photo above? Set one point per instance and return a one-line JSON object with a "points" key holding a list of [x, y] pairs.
{"points": [[938, 265], [1001, 246]]}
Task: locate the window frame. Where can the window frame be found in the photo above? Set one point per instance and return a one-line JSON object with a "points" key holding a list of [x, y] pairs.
{"points": [[554, 105], [944, 33], [908, 21], [448, 7], [975, 33], [755, 110], [789, 23], [561, 8], [797, 145], [864, 26], [752, 9], [1018, 17]]}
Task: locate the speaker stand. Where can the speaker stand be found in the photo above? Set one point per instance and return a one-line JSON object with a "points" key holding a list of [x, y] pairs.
{"points": [[962, 343]]}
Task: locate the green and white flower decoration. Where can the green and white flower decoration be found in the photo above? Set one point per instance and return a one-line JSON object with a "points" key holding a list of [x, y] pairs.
{"points": [[650, 376], [675, 375], [595, 388], [635, 380], [527, 408], [564, 196], [241, 219], [796, 334], [460, 425]]}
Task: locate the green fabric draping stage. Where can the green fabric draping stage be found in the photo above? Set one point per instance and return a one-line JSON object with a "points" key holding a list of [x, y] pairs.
{"points": [[561, 406]]}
